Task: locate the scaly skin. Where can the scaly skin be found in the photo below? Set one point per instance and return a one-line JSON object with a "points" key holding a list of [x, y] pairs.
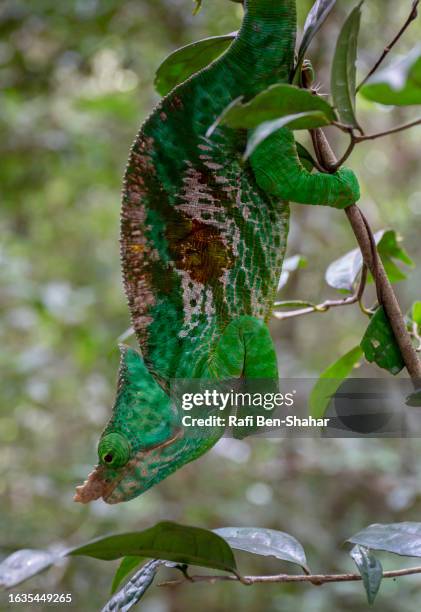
{"points": [[203, 238]]}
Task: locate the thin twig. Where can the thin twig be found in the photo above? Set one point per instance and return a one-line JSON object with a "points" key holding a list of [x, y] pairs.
{"points": [[347, 153], [399, 128], [327, 304], [411, 17], [315, 579]]}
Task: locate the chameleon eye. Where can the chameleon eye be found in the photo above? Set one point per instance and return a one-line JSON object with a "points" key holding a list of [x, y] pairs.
{"points": [[114, 450]]}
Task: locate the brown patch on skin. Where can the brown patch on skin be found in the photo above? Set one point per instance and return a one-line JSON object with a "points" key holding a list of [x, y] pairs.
{"points": [[200, 251], [177, 102]]}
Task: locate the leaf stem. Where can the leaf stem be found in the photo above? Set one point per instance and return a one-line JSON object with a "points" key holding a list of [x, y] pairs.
{"points": [[411, 17]]}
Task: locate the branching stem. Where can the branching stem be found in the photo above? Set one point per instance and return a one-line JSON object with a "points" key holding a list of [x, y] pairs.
{"points": [[411, 17], [327, 304], [316, 579]]}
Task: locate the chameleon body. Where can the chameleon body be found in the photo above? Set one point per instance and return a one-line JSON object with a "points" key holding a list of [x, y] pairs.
{"points": [[203, 237]]}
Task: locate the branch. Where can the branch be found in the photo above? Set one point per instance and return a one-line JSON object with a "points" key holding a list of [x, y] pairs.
{"points": [[327, 304], [411, 17], [399, 128], [385, 293], [316, 579]]}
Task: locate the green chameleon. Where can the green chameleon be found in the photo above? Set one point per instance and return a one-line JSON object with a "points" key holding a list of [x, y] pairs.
{"points": [[203, 237]]}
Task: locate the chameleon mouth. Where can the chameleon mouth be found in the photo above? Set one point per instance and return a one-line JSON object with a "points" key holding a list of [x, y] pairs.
{"points": [[94, 487], [126, 485]]}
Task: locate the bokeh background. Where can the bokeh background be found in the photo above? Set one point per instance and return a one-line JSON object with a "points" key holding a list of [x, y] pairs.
{"points": [[77, 80]]}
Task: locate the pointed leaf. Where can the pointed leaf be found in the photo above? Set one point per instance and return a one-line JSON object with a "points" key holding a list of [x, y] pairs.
{"points": [[315, 19], [416, 313], [330, 381], [189, 60], [126, 567], [370, 569], [343, 273], [398, 84], [133, 591], [24, 564], [300, 121], [265, 542], [343, 74], [291, 264], [166, 540], [273, 103], [399, 538], [379, 344]]}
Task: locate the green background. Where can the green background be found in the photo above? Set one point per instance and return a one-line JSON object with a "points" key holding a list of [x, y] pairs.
{"points": [[77, 80]]}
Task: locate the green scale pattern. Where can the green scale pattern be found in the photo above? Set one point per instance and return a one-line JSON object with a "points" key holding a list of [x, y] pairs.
{"points": [[203, 237]]}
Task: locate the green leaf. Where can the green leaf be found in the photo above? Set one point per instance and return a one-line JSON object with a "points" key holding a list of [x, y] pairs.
{"points": [[343, 75], [416, 313], [370, 569], [166, 540], [189, 60], [134, 590], [398, 84], [265, 542], [127, 565], [305, 156], [315, 19], [414, 399], [343, 272], [299, 121], [277, 101], [291, 264], [379, 344], [23, 564], [330, 381], [389, 246], [399, 538]]}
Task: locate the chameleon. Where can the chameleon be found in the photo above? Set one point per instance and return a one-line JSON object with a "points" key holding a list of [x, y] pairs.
{"points": [[203, 237]]}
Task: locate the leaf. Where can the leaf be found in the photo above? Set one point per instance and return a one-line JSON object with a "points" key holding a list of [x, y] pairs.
{"points": [[305, 156], [343, 273], [300, 121], [133, 591], [343, 75], [370, 569], [400, 538], [24, 564], [291, 264], [189, 60], [315, 19], [379, 344], [330, 381], [166, 540], [398, 84], [277, 101], [416, 313], [127, 565], [414, 399], [265, 542]]}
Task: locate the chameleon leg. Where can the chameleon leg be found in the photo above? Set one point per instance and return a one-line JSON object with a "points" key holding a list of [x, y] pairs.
{"points": [[279, 172], [245, 349]]}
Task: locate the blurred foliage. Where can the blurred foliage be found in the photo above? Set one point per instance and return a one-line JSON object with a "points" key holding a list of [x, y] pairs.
{"points": [[77, 80]]}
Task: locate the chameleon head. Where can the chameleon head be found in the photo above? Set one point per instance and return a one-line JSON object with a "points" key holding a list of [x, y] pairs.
{"points": [[143, 442]]}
